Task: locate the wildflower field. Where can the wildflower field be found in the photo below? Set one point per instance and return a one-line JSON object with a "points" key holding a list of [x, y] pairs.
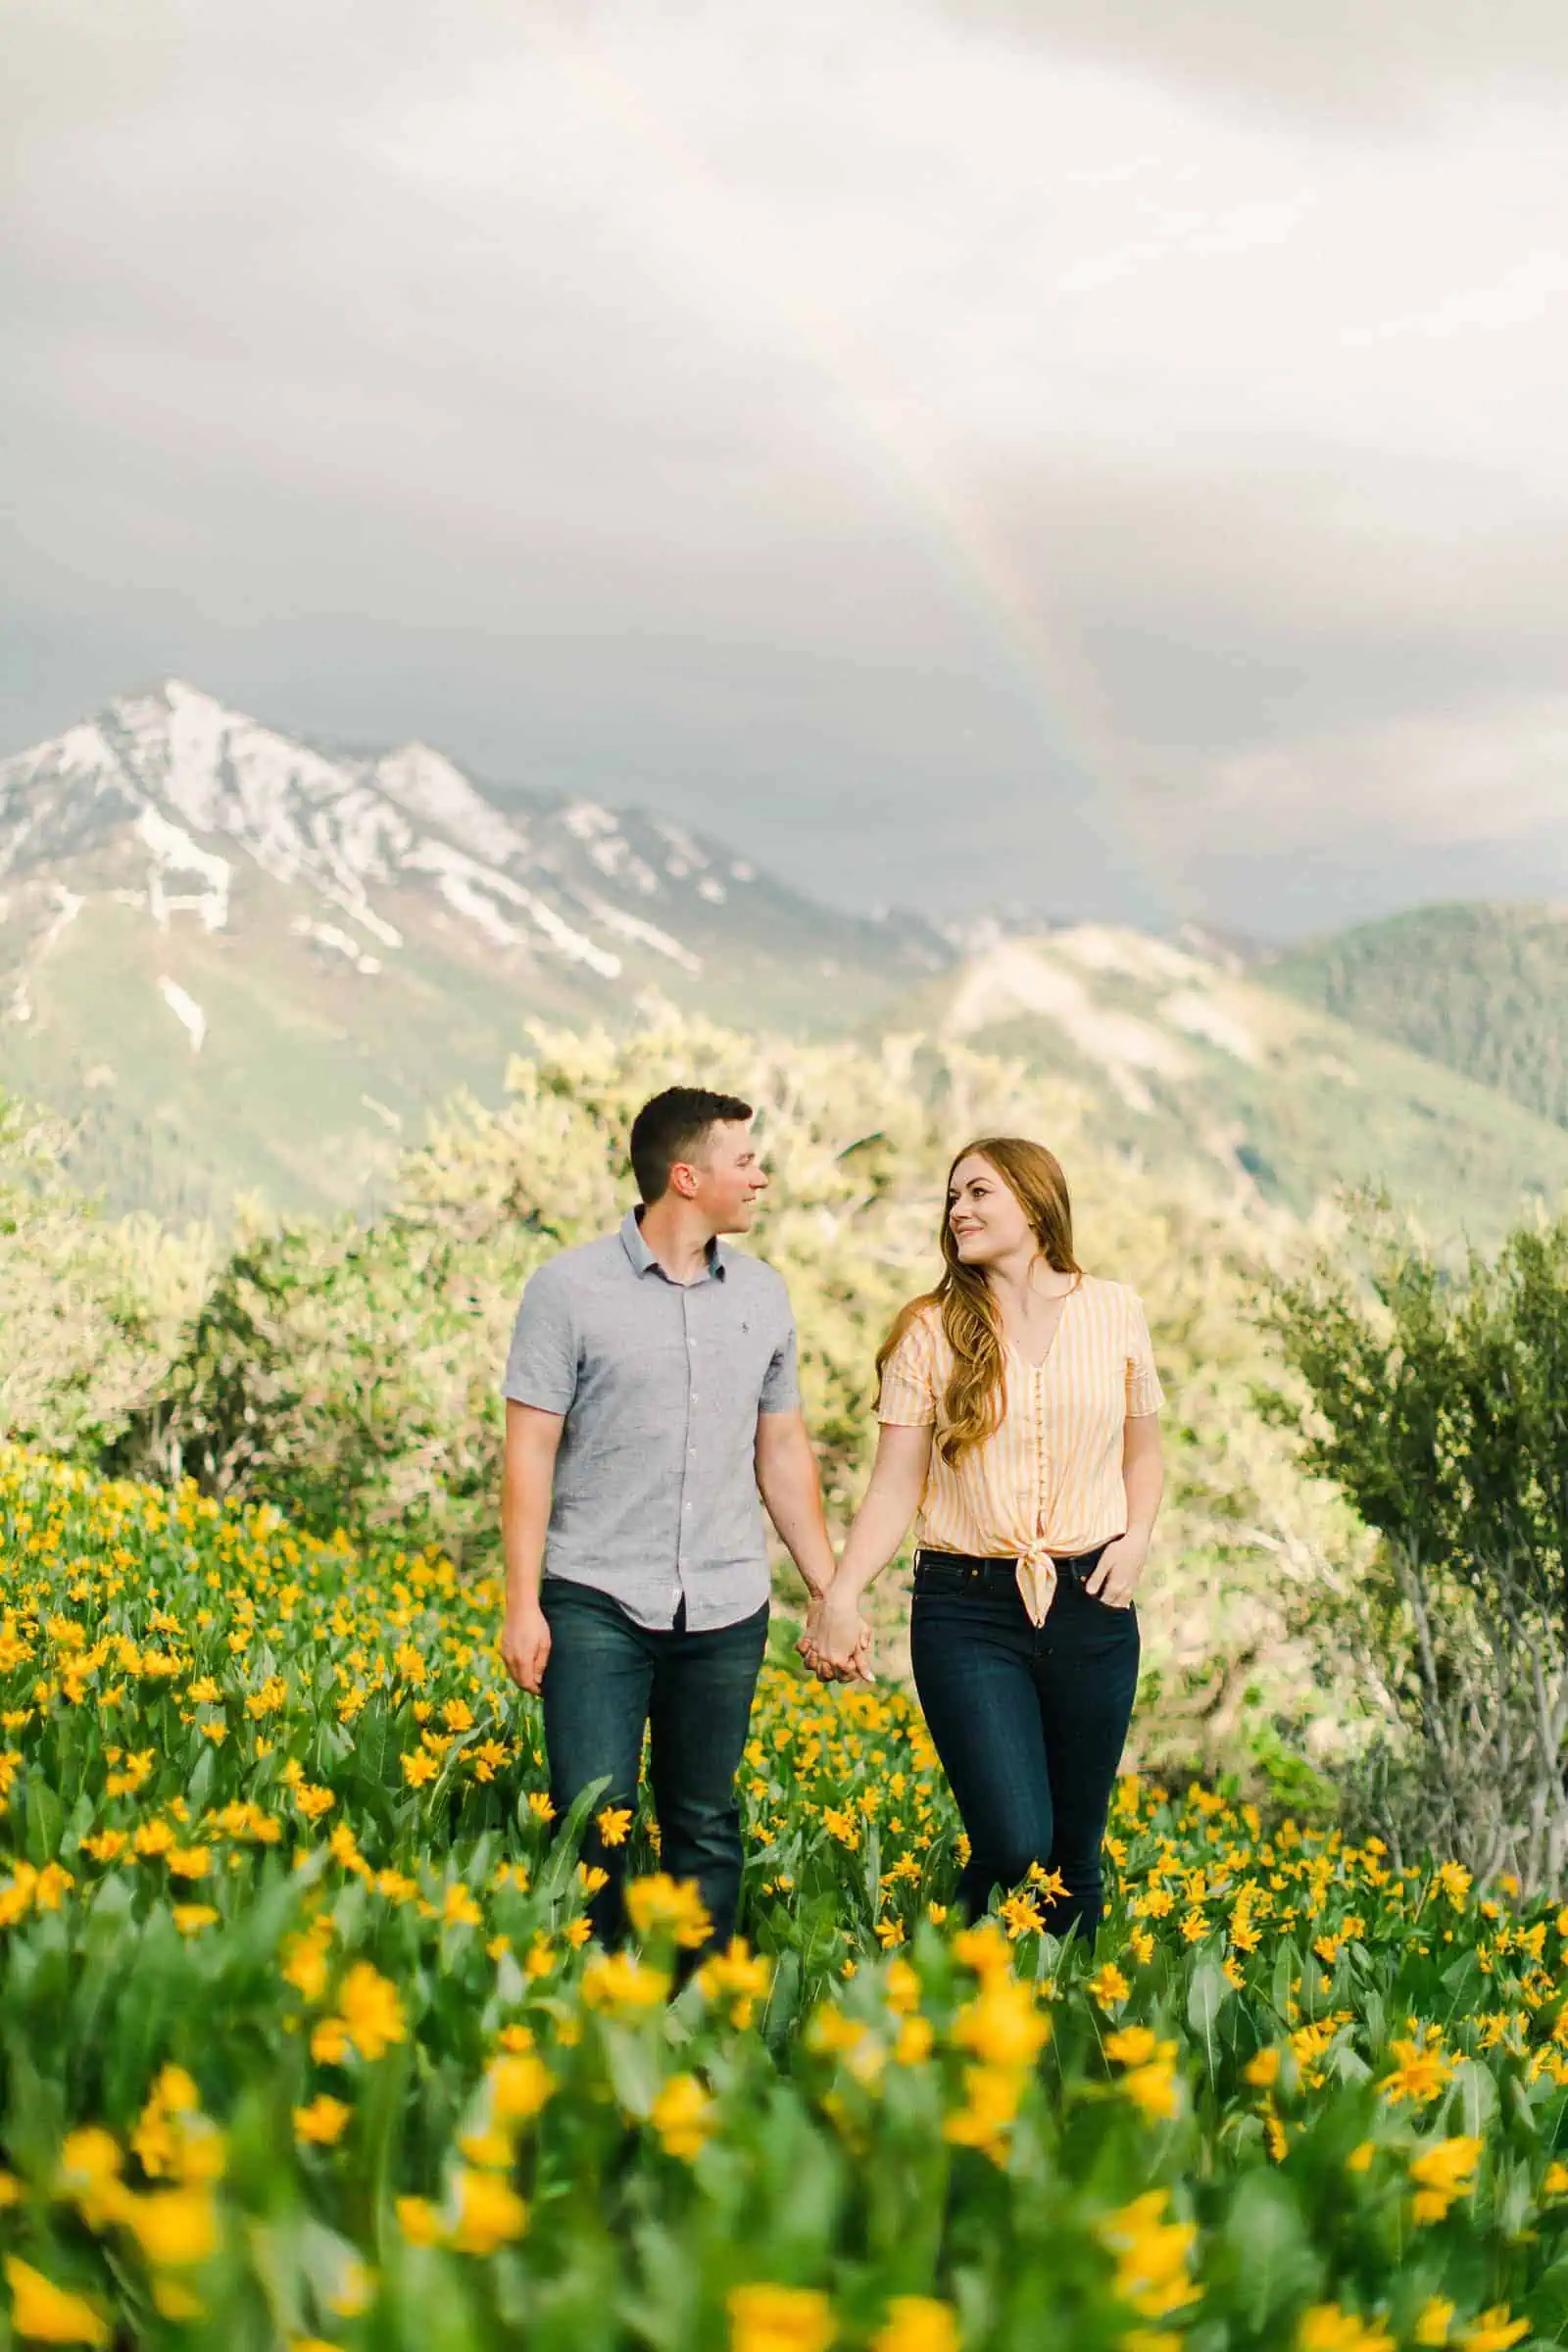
{"points": [[304, 2042]]}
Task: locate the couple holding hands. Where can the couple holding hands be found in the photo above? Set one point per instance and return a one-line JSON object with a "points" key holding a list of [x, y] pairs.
{"points": [[651, 1397]]}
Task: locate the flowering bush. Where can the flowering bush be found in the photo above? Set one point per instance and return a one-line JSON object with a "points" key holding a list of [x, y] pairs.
{"points": [[305, 2042]]}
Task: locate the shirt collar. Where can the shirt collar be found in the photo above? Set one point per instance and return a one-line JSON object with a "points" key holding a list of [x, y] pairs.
{"points": [[642, 1258]]}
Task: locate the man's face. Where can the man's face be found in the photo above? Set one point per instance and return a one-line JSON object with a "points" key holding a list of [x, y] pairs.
{"points": [[729, 1178]]}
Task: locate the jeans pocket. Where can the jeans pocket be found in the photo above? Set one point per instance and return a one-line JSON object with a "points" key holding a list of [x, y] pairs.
{"points": [[933, 1577]]}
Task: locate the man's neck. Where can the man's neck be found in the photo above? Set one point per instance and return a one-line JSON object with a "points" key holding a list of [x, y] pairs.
{"points": [[678, 1238]]}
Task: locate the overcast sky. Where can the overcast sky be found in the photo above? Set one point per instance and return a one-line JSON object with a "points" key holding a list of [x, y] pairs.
{"points": [[960, 451]]}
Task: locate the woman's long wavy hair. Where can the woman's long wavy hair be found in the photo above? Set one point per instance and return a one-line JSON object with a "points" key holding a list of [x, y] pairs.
{"points": [[976, 1390]]}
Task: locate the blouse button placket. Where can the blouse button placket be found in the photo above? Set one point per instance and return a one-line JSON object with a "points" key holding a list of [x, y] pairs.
{"points": [[1040, 1449]]}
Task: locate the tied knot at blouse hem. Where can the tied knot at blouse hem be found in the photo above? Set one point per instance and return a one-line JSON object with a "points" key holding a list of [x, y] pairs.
{"points": [[1049, 1479]]}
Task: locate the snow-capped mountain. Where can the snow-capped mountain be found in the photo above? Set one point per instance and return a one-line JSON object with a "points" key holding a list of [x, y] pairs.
{"points": [[181, 883], [192, 797]]}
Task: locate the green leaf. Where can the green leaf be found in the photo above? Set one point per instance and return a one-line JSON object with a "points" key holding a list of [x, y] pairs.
{"points": [[1266, 2259], [1207, 1995]]}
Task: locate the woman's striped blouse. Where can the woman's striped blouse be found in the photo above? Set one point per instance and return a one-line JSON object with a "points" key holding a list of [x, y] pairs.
{"points": [[1049, 1481]]}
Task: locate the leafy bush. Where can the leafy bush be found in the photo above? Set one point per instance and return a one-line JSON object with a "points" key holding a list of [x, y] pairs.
{"points": [[89, 1310], [1443, 1414]]}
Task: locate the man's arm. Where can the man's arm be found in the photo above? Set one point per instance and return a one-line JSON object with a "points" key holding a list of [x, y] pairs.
{"points": [[527, 1474], [788, 1482]]}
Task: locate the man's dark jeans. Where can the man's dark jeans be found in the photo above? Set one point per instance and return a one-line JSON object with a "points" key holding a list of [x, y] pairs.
{"points": [[607, 1679], [1029, 1721]]}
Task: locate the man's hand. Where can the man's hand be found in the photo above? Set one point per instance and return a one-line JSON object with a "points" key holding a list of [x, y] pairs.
{"points": [[836, 1645], [525, 1647], [1117, 1572]]}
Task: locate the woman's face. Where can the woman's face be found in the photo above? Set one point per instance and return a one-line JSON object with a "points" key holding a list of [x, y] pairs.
{"points": [[984, 1213]]}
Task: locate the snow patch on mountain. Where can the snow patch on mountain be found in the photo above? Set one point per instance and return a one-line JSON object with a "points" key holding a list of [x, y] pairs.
{"points": [[340, 943], [647, 935], [425, 783], [688, 852], [175, 852], [616, 858], [66, 905], [585, 820], [572, 943], [473, 889], [1013, 978], [10, 850], [1202, 1015], [1102, 948], [185, 1009]]}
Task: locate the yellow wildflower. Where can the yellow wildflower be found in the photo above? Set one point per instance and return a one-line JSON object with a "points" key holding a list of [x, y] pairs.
{"points": [[489, 2214], [1444, 2170], [763, 2317], [1492, 2331], [917, 2323], [44, 2314], [683, 2117], [372, 2015], [323, 2122], [658, 1906], [1325, 2328]]}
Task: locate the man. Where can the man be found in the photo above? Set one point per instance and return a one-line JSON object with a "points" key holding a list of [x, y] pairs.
{"points": [[650, 1392]]}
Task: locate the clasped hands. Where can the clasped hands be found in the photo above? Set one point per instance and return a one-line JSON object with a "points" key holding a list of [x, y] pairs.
{"points": [[837, 1642]]}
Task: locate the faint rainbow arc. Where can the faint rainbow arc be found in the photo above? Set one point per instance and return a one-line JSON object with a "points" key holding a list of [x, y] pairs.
{"points": [[1058, 686]]}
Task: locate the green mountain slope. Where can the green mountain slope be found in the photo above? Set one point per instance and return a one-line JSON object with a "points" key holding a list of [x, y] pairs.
{"points": [[1482, 989], [1185, 1065]]}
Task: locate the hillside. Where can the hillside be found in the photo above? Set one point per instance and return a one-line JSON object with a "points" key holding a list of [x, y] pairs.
{"points": [[1187, 1062], [235, 960], [1482, 989]]}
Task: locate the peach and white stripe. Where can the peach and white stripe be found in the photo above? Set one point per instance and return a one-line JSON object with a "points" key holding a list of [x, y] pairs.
{"points": [[1049, 1481]]}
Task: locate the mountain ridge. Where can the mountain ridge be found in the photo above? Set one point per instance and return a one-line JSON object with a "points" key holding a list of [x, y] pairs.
{"points": [[237, 960], [180, 883], [1479, 985]]}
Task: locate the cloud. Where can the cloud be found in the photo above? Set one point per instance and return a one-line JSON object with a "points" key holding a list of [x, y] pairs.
{"points": [[945, 461], [1520, 297], [1239, 229], [1361, 822], [1353, 64]]}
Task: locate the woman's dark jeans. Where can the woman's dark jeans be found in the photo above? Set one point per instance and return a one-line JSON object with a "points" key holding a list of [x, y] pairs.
{"points": [[1029, 1721], [607, 1680]]}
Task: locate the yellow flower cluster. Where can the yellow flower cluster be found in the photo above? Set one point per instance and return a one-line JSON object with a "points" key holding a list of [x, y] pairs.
{"points": [[244, 1758]]}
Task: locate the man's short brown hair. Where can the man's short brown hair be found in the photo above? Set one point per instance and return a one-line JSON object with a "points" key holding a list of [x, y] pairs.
{"points": [[674, 1126]]}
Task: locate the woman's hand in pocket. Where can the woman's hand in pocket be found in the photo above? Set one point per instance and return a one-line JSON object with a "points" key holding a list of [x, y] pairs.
{"points": [[1117, 1572]]}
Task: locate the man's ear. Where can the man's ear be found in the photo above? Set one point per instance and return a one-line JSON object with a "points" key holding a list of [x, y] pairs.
{"points": [[683, 1180]]}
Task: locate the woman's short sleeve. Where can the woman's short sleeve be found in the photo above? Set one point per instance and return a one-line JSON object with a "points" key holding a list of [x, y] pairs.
{"points": [[908, 1379], [1144, 1392]]}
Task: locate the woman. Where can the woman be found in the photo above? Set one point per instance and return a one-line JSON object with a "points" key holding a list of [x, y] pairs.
{"points": [[1018, 1412]]}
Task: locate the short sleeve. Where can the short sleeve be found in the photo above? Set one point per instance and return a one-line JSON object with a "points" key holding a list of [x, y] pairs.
{"points": [[542, 1360], [1144, 1392], [908, 1379], [781, 1387]]}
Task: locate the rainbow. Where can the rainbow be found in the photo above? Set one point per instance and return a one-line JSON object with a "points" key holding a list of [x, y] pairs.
{"points": [[1080, 743]]}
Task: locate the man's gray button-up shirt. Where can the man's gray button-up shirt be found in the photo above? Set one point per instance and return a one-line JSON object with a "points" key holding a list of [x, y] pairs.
{"points": [[660, 1383]]}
